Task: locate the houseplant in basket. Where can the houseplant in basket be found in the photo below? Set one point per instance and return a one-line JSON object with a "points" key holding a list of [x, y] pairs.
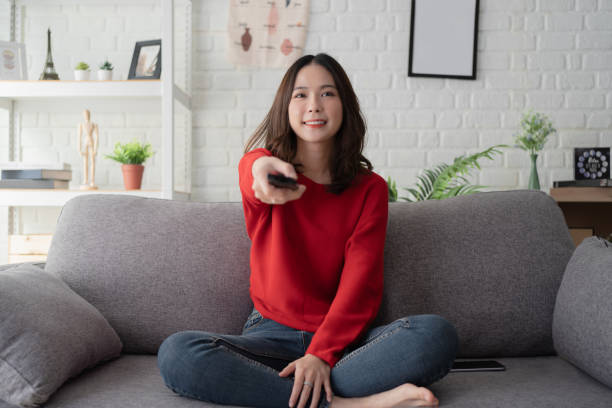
{"points": [[105, 71], [81, 71], [131, 156]]}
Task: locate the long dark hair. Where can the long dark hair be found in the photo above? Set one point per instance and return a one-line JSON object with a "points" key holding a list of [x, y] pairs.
{"points": [[346, 159]]}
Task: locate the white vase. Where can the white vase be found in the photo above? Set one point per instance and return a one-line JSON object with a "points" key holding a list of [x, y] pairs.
{"points": [[81, 75], [105, 75]]}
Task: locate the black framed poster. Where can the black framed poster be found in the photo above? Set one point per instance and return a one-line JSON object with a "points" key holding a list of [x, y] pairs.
{"points": [[443, 38]]}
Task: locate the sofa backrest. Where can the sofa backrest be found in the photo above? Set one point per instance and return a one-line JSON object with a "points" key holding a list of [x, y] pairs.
{"points": [[491, 263], [153, 267]]}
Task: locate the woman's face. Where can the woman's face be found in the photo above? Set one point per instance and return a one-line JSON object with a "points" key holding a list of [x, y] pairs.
{"points": [[315, 109]]}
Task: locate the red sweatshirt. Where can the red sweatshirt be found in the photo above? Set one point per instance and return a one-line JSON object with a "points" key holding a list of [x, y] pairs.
{"points": [[317, 262]]}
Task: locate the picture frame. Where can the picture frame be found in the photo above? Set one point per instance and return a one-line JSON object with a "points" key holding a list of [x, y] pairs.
{"points": [[13, 61], [591, 163], [146, 60], [443, 38]]}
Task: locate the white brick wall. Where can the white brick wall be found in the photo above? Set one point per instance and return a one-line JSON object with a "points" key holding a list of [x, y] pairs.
{"points": [[551, 55]]}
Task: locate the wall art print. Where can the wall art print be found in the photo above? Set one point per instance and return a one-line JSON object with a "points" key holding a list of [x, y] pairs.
{"points": [[12, 61], [267, 33], [443, 38], [591, 163]]}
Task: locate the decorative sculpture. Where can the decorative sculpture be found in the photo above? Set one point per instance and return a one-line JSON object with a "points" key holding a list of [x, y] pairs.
{"points": [[89, 152], [49, 70]]}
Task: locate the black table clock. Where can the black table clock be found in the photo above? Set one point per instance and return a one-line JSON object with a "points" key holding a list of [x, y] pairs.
{"points": [[591, 163]]}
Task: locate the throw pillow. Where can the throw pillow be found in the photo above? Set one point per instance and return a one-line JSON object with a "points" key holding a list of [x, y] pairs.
{"points": [[582, 320], [48, 334]]}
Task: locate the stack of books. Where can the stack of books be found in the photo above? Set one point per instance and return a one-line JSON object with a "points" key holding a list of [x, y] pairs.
{"points": [[35, 175], [583, 183]]}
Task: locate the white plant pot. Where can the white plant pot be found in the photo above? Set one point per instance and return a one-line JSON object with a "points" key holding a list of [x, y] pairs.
{"points": [[105, 75], [81, 75]]}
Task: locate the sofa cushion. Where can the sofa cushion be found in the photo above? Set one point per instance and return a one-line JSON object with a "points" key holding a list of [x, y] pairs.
{"points": [[153, 267], [528, 382], [582, 325], [490, 263], [133, 381], [48, 334]]}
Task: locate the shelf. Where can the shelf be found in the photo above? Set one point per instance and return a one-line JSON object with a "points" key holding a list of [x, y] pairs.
{"points": [[79, 2], [61, 89], [145, 88], [57, 197], [582, 194]]}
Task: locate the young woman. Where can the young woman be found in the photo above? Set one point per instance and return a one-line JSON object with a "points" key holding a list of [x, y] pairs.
{"points": [[316, 271]]}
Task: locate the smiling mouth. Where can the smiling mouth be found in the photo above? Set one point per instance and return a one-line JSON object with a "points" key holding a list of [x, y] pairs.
{"points": [[315, 123]]}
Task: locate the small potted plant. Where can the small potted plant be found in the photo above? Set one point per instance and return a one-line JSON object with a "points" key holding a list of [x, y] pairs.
{"points": [[534, 131], [131, 156], [81, 71], [105, 71]]}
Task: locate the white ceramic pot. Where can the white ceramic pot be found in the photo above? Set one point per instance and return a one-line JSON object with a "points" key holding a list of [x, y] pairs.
{"points": [[105, 75], [81, 75]]}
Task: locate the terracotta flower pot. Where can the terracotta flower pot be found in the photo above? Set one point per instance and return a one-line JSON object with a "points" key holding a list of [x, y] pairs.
{"points": [[132, 176]]}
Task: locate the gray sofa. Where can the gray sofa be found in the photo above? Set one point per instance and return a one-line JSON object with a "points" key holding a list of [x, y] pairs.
{"points": [[491, 263]]}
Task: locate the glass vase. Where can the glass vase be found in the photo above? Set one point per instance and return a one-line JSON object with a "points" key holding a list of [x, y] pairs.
{"points": [[534, 180]]}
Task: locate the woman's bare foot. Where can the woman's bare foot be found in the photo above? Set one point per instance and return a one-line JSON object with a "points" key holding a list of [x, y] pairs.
{"points": [[405, 395]]}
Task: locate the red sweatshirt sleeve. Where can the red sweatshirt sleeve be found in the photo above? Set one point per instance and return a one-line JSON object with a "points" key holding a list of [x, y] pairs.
{"points": [[253, 207], [359, 293], [245, 173]]}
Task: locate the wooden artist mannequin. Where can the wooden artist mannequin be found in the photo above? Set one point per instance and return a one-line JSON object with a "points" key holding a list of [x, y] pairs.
{"points": [[89, 152]]}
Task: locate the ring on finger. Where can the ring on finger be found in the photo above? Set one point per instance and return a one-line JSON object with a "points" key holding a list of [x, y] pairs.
{"points": [[307, 383]]}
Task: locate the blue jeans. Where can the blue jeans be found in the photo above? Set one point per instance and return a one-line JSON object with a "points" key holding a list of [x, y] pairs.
{"points": [[243, 369]]}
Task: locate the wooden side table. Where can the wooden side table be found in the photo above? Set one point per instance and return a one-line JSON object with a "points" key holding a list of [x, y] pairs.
{"points": [[587, 210]]}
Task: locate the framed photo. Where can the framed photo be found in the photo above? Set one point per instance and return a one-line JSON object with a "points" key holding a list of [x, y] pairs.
{"points": [[12, 61], [146, 60], [443, 38], [591, 163]]}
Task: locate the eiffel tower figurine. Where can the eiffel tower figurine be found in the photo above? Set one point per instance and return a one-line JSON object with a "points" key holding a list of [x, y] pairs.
{"points": [[49, 71]]}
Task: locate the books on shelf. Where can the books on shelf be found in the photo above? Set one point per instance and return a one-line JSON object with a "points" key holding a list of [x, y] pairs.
{"points": [[583, 183], [35, 175], [18, 165], [35, 183]]}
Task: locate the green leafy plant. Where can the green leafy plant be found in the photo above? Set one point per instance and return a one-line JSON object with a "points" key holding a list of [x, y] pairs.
{"points": [[106, 66], [131, 153], [82, 66], [392, 189], [533, 132], [444, 180]]}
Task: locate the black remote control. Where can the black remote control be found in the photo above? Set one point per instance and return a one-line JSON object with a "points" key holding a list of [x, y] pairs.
{"points": [[280, 181]]}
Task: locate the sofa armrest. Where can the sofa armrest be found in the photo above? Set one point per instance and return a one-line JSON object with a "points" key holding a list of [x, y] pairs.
{"points": [[582, 319]]}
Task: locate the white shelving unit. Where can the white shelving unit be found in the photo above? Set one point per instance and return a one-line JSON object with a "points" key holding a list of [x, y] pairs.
{"points": [[129, 95], [18, 96]]}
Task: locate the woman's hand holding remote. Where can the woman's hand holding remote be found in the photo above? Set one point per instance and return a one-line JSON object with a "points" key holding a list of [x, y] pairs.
{"points": [[267, 193]]}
